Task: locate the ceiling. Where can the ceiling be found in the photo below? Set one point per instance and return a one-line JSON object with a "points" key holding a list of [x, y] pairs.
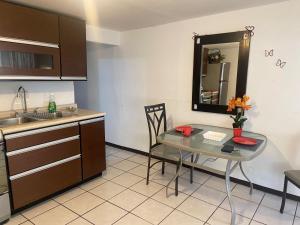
{"points": [[132, 14]]}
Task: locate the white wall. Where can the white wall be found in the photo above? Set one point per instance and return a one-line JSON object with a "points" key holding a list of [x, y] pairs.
{"points": [[155, 65], [101, 35], [37, 93]]}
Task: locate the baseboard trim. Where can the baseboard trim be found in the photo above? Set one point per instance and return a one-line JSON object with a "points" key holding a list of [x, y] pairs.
{"points": [[236, 180]]}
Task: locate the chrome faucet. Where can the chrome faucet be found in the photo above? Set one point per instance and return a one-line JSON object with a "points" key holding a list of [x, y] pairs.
{"points": [[23, 94]]}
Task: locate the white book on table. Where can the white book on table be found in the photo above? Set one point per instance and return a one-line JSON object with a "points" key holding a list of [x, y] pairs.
{"points": [[215, 136]]}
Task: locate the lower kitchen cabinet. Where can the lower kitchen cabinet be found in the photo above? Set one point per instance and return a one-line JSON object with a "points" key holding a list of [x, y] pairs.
{"points": [[40, 184], [92, 147], [44, 161]]}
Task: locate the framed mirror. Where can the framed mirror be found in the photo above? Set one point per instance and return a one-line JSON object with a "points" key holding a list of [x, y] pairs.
{"points": [[220, 70]]}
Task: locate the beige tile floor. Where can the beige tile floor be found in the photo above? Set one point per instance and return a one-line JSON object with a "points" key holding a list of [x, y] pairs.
{"points": [[121, 197]]}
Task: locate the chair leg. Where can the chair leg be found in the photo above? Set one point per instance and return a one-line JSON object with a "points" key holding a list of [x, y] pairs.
{"points": [[284, 194], [148, 169], [163, 167], [192, 169], [176, 181]]}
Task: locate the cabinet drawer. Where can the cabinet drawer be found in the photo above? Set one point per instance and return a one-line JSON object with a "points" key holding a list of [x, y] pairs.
{"points": [[40, 155], [39, 136], [28, 23], [33, 187]]}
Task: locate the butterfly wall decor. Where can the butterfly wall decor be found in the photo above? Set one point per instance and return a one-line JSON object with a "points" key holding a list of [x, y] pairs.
{"points": [[280, 63], [269, 53], [250, 30], [194, 35]]}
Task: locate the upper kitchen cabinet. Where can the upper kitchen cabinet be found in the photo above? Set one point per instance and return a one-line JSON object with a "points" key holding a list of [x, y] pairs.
{"points": [[72, 48], [29, 43], [19, 22]]}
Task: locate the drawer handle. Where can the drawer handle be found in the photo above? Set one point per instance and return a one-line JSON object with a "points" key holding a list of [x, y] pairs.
{"points": [[29, 77], [37, 147], [27, 42], [37, 131], [91, 121], [29, 172], [73, 78]]}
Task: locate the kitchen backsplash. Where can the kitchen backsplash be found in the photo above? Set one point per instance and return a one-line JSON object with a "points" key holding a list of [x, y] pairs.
{"points": [[37, 93]]}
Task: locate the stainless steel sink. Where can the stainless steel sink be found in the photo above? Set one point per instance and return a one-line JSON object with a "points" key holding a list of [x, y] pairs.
{"points": [[15, 121], [44, 115], [32, 117]]}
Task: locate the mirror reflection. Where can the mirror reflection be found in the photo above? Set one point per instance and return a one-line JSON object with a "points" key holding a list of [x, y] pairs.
{"points": [[219, 68]]}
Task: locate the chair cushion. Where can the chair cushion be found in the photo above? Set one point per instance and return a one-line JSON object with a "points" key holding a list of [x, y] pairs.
{"points": [[170, 153], [293, 175]]}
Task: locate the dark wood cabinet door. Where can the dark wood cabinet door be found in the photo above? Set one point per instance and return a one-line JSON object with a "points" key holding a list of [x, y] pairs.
{"points": [[29, 24], [72, 48], [92, 147], [30, 188], [25, 61]]}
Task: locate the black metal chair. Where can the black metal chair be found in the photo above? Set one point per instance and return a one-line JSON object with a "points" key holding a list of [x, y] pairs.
{"points": [[157, 123], [292, 176]]}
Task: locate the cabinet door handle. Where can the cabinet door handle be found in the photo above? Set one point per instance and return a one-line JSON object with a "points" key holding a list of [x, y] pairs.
{"points": [[37, 131], [91, 121], [36, 170], [29, 77], [73, 78], [37, 147], [22, 41]]}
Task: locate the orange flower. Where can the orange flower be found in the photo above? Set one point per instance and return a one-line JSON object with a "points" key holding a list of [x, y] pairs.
{"points": [[246, 98], [238, 102], [231, 105], [245, 106]]}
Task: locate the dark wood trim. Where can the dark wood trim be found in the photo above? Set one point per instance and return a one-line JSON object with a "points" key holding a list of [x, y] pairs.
{"points": [[241, 84], [236, 180]]}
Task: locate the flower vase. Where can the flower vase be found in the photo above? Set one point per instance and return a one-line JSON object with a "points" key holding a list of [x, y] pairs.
{"points": [[237, 132]]}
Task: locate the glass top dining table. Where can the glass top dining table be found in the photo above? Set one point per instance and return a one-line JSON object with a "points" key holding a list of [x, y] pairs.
{"points": [[198, 145]]}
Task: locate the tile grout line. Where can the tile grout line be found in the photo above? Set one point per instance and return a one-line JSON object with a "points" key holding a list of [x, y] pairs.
{"points": [[295, 213], [243, 200], [189, 195], [147, 197], [61, 204], [259, 204], [219, 206], [126, 188]]}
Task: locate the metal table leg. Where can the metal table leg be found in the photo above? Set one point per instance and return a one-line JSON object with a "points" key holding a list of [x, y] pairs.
{"points": [[177, 172], [251, 185], [228, 189]]}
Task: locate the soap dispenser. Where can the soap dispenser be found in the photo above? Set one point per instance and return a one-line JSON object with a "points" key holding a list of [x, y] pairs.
{"points": [[52, 104]]}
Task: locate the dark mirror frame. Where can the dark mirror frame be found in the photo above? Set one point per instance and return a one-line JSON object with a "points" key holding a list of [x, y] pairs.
{"points": [[240, 36]]}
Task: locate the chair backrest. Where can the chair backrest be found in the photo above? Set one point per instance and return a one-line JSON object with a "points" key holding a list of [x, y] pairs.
{"points": [[157, 122]]}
